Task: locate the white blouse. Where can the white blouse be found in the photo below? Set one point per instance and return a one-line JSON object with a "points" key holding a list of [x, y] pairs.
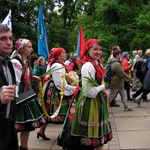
{"points": [[18, 73], [88, 70], [56, 77]]}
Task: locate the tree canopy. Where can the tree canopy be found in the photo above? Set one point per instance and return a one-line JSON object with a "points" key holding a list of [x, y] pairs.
{"points": [[113, 22]]}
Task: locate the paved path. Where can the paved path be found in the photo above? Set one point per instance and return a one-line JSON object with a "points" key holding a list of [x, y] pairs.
{"points": [[131, 130]]}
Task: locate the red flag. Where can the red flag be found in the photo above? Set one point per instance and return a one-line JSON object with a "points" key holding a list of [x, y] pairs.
{"points": [[81, 41]]}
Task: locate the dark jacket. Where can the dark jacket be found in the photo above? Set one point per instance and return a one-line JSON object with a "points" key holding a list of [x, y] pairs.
{"points": [[146, 80], [8, 134], [141, 67]]}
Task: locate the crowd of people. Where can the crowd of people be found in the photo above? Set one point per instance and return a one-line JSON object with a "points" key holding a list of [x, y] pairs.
{"points": [[74, 92]]}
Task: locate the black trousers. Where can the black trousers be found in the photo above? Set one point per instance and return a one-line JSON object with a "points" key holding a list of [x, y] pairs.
{"points": [[127, 88], [142, 91]]}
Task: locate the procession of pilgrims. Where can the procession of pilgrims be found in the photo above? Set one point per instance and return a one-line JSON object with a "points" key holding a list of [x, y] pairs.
{"points": [[66, 101], [69, 90]]}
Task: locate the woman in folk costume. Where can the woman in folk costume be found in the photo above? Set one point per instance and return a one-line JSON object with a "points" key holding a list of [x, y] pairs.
{"points": [[30, 115], [52, 98], [33, 59], [87, 125]]}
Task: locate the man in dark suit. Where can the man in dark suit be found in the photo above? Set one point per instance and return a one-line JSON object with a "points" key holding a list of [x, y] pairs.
{"points": [[8, 134]]}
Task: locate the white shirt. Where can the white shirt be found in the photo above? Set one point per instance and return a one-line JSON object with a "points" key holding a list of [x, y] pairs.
{"points": [[56, 77], [18, 73], [88, 70], [67, 62]]}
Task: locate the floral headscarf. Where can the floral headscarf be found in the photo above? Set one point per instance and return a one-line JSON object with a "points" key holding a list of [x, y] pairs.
{"points": [[19, 44]]}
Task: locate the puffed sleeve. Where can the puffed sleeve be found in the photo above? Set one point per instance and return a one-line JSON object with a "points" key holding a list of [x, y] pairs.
{"points": [[57, 78], [18, 73], [88, 70]]}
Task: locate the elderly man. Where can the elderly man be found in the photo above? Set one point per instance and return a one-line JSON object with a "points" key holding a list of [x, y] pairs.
{"points": [[8, 134]]}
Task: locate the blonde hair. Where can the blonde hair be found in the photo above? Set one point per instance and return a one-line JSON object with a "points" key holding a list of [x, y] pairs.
{"points": [[41, 60], [147, 51]]}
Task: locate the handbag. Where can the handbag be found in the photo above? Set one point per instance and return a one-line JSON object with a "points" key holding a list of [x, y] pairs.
{"points": [[26, 96]]}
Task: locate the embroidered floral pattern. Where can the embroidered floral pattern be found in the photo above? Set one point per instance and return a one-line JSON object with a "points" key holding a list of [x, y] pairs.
{"points": [[50, 89], [90, 142], [70, 117], [18, 127], [94, 142], [72, 110], [34, 124], [18, 45], [110, 136], [26, 76], [51, 84], [16, 65], [49, 94], [71, 113]]}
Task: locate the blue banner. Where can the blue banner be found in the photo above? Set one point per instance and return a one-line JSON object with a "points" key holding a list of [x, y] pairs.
{"points": [[42, 36], [78, 45]]}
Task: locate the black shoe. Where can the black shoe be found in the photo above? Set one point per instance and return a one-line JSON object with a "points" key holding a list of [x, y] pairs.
{"points": [[22, 148], [139, 101], [130, 99], [134, 98], [114, 105], [42, 136], [134, 90]]}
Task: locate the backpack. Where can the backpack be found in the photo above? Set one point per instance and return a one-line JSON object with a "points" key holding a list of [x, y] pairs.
{"points": [[109, 74]]}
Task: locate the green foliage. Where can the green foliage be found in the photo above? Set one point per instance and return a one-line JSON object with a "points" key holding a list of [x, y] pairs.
{"points": [[113, 22]]}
